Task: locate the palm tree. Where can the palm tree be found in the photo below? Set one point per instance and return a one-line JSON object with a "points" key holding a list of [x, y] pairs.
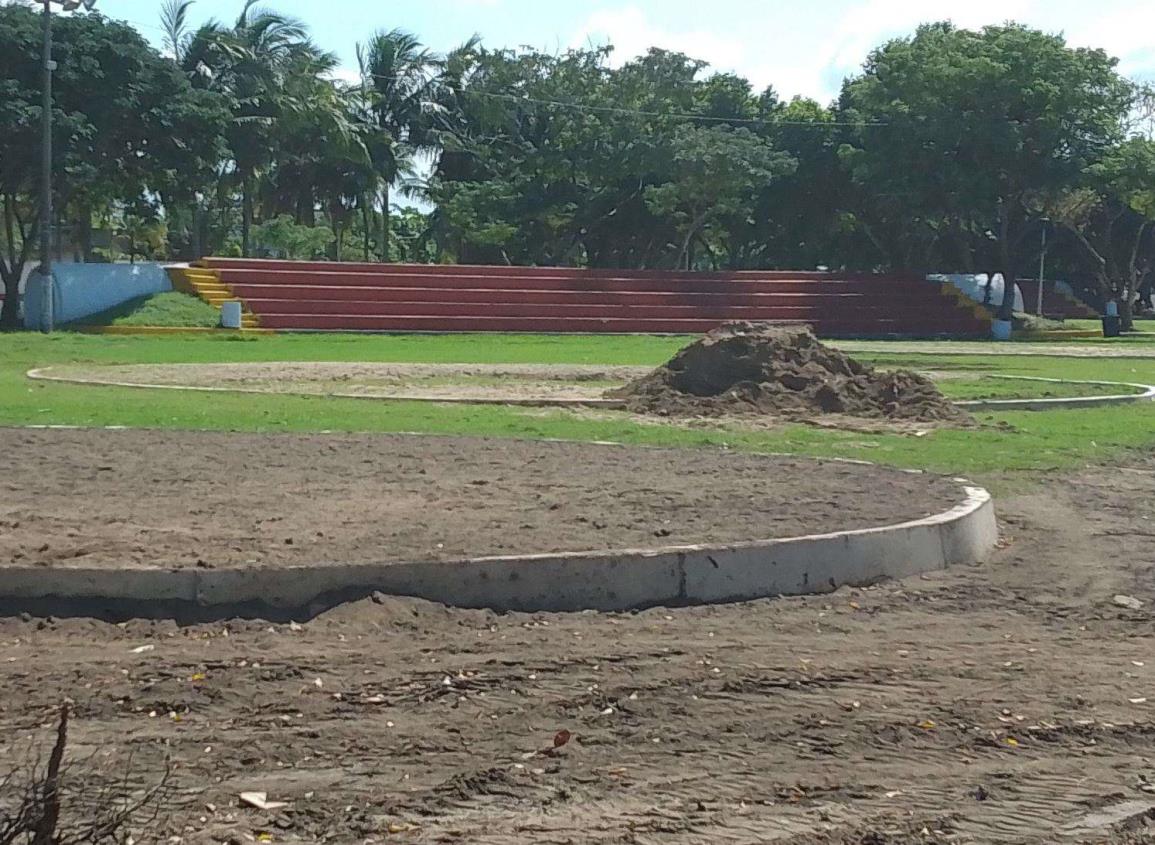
{"points": [[248, 64], [400, 82], [320, 143]]}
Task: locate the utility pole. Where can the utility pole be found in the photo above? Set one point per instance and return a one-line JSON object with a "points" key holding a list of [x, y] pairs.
{"points": [[49, 316], [1042, 264]]}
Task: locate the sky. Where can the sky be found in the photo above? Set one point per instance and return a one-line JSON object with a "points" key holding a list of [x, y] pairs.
{"points": [[801, 48]]}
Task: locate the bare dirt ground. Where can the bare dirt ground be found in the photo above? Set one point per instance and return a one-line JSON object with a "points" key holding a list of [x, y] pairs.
{"points": [[172, 499], [1004, 703]]}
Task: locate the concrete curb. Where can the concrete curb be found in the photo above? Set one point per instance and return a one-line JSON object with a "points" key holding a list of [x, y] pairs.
{"points": [[602, 580], [1061, 403], [163, 331], [44, 374]]}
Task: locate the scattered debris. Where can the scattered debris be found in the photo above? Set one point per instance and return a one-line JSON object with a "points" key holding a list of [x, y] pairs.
{"points": [[1129, 602], [260, 800]]}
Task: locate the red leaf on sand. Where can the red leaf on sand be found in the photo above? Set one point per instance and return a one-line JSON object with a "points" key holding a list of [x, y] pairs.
{"points": [[561, 738]]}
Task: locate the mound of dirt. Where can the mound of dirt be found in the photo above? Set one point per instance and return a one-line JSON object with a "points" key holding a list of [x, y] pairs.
{"points": [[768, 368]]}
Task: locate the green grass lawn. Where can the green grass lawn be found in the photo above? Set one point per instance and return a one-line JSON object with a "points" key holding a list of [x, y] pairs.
{"points": [[966, 389], [1012, 449], [1144, 327], [174, 309]]}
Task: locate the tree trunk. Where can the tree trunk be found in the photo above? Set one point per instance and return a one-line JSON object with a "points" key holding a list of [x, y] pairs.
{"points": [[1127, 312], [966, 255], [10, 310], [366, 219], [685, 255], [385, 233], [195, 245], [84, 233], [1007, 308], [246, 216]]}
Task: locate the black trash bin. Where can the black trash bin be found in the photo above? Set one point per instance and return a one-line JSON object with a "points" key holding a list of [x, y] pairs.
{"points": [[1111, 326]]}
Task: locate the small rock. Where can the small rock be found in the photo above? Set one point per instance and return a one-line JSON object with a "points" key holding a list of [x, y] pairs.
{"points": [[1129, 602]]}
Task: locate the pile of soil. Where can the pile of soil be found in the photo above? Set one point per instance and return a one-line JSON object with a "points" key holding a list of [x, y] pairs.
{"points": [[768, 368]]}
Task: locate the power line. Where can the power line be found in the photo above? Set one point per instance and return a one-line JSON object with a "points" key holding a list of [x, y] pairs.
{"points": [[522, 98], [677, 115]]}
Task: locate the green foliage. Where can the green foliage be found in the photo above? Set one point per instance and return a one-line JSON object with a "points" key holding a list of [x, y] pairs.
{"points": [[129, 128], [1110, 213], [563, 159], [717, 172], [960, 130], [142, 237], [282, 238]]}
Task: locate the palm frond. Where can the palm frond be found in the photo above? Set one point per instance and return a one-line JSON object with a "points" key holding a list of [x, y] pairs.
{"points": [[174, 22]]}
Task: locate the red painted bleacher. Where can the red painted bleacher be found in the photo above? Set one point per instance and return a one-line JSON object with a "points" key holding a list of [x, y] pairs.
{"points": [[438, 298]]}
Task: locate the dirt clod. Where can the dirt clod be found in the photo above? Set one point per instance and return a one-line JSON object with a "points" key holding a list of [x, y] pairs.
{"points": [[766, 368]]}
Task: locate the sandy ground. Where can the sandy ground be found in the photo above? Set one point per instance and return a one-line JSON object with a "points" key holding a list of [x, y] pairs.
{"points": [[1009, 702], [526, 384], [479, 382], [172, 499], [1084, 350]]}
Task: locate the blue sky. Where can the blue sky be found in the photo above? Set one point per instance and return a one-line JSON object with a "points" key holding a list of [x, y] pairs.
{"points": [[800, 48]]}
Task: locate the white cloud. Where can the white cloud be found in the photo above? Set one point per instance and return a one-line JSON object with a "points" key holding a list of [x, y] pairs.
{"points": [[812, 54], [631, 32]]}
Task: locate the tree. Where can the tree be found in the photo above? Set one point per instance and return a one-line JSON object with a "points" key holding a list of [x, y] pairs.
{"points": [[560, 159], [1111, 217], [128, 127], [716, 175], [401, 96], [248, 64], [958, 130], [319, 153]]}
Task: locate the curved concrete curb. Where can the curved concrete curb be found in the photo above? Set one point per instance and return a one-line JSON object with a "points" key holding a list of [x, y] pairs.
{"points": [[606, 580], [44, 374], [1148, 395], [1060, 403]]}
